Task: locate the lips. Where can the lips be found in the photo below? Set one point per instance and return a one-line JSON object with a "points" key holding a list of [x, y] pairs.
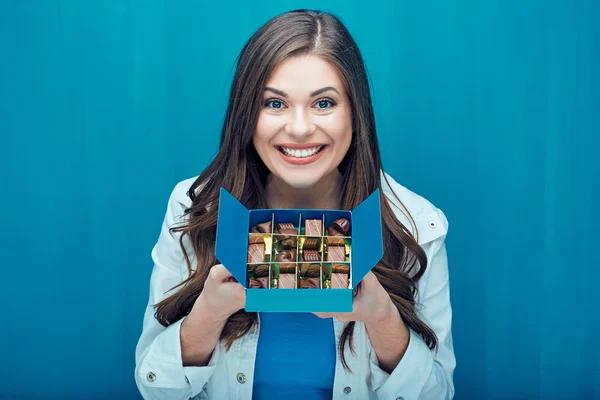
{"points": [[301, 154]]}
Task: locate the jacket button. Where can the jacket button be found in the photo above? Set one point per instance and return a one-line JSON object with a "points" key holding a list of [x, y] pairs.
{"points": [[241, 378], [151, 377], [347, 389], [432, 224]]}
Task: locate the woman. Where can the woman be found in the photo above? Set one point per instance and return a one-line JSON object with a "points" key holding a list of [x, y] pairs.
{"points": [[299, 132]]}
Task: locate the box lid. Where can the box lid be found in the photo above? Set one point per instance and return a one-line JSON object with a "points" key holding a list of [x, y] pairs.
{"points": [[367, 241], [232, 235]]}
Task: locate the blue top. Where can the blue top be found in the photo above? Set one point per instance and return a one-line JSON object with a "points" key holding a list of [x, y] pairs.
{"points": [[295, 358]]}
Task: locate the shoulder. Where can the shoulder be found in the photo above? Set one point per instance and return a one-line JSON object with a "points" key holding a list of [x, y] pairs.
{"points": [[179, 195], [430, 221]]}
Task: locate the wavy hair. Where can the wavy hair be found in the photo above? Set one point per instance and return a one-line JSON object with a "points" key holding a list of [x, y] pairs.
{"points": [[238, 168]]}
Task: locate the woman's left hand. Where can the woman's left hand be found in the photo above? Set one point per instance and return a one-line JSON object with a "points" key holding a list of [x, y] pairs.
{"points": [[371, 305]]}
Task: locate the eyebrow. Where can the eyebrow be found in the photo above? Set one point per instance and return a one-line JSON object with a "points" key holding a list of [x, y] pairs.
{"points": [[313, 94]]}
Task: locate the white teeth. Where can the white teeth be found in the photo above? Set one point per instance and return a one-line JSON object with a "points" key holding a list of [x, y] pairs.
{"points": [[301, 153]]}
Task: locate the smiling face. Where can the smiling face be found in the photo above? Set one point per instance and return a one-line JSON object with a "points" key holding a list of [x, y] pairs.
{"points": [[304, 127]]}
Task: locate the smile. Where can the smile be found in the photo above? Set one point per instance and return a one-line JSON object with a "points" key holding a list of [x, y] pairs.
{"points": [[300, 153]]}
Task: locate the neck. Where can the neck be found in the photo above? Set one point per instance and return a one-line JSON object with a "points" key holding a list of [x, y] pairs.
{"points": [[324, 195]]}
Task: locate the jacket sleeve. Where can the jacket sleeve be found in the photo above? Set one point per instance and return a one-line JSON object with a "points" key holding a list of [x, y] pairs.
{"points": [[423, 374], [159, 370]]}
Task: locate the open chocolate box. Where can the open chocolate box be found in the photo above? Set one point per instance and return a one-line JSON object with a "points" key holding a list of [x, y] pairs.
{"points": [[279, 254]]}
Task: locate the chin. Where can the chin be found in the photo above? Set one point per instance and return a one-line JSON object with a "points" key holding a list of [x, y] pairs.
{"points": [[301, 181]]}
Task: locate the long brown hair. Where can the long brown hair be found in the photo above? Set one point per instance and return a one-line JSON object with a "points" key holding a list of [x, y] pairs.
{"points": [[238, 168]]}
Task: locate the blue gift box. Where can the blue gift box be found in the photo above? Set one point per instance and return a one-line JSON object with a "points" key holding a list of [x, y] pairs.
{"points": [[366, 249]]}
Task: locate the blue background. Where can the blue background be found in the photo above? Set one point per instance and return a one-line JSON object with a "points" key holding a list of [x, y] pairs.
{"points": [[490, 109]]}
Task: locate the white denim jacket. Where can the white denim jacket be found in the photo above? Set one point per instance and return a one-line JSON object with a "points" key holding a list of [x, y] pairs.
{"points": [[421, 374]]}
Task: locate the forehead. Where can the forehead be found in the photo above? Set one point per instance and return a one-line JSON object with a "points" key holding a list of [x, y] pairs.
{"points": [[304, 74]]}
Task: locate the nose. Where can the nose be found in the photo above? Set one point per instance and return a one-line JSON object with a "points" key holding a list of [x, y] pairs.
{"points": [[300, 125]]}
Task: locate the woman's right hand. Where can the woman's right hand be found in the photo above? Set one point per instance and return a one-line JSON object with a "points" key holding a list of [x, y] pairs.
{"points": [[201, 329], [222, 295]]}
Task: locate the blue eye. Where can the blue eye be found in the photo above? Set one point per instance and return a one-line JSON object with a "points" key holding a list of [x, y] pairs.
{"points": [[276, 104], [323, 104]]}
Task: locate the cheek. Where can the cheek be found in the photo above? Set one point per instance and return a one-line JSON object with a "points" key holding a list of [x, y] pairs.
{"points": [[340, 130], [265, 130]]}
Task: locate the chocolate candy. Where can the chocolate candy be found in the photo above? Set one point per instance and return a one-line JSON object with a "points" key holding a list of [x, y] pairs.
{"points": [[256, 239], [287, 276], [339, 276], [310, 270], [342, 225], [313, 227], [340, 269], [333, 232], [254, 284], [254, 230], [339, 281], [261, 271], [287, 281], [311, 276], [256, 253], [287, 228], [310, 283], [286, 255], [289, 243], [311, 244], [336, 253], [264, 282], [311, 255], [265, 227], [335, 241], [287, 268]]}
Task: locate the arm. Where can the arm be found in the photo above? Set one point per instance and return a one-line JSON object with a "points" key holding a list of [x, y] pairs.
{"points": [[420, 373], [160, 372]]}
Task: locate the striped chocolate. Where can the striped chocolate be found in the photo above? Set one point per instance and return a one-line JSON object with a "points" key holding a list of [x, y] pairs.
{"points": [[311, 244], [339, 281], [256, 253], [336, 253], [313, 227], [311, 255]]}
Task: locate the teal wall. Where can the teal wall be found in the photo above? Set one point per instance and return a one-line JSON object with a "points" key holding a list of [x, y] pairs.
{"points": [[490, 109]]}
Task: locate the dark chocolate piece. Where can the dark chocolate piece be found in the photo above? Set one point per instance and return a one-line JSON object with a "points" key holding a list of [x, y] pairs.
{"points": [[311, 255], [342, 225], [313, 227], [287, 228], [340, 269], [261, 271], [311, 244], [254, 284], [256, 239], [265, 227], [335, 241], [336, 253], [289, 243], [289, 231], [287, 268], [264, 282], [286, 255], [333, 232], [256, 253], [285, 225], [310, 270], [310, 283]]}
